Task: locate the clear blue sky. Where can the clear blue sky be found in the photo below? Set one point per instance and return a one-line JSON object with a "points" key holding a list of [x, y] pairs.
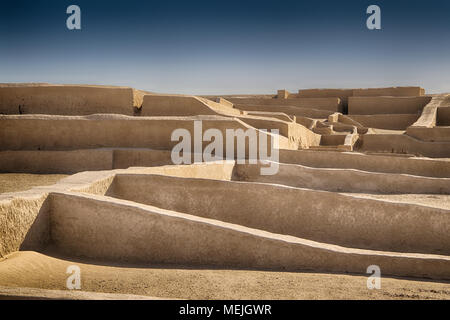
{"points": [[220, 47]]}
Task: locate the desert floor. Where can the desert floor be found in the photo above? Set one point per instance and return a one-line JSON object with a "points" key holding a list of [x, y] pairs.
{"points": [[37, 270]]}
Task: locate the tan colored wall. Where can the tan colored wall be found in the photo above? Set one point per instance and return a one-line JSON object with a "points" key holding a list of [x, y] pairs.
{"points": [[373, 163], [428, 117], [387, 105], [56, 161], [277, 115], [24, 216], [100, 159], [386, 121], [24, 84], [103, 131], [343, 94], [439, 134], [327, 103], [316, 215], [24, 224], [295, 111], [298, 135], [282, 94], [332, 139], [121, 231], [344, 180], [401, 143], [125, 158], [391, 91], [219, 170], [179, 105], [443, 116], [224, 102], [68, 100]]}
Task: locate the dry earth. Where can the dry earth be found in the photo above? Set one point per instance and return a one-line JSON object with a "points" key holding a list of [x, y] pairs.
{"points": [[36, 270]]}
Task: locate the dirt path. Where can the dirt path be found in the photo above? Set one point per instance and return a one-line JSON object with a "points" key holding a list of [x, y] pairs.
{"points": [[36, 270]]}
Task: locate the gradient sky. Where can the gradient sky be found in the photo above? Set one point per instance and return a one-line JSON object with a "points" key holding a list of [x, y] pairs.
{"points": [[222, 47]]}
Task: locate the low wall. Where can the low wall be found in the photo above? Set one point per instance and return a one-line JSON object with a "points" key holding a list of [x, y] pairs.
{"points": [[332, 139], [24, 224], [106, 131], [295, 111], [223, 101], [443, 116], [25, 217], [316, 215], [105, 159], [344, 180], [277, 115], [123, 231], [386, 105], [402, 143], [125, 158], [299, 135], [57, 161], [391, 91], [68, 99], [179, 105], [438, 134], [343, 94], [374, 163], [330, 104], [428, 117], [386, 121]]}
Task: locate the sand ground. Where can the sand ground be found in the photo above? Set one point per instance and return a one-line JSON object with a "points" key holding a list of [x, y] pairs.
{"points": [[37, 270], [13, 182]]}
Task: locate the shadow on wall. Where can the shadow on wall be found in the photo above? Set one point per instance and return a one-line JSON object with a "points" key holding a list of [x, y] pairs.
{"points": [[443, 116], [38, 235]]}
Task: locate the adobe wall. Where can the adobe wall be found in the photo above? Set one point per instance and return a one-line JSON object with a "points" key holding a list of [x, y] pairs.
{"points": [[374, 163], [101, 159], [56, 161], [438, 134], [299, 136], [24, 224], [105, 131], [68, 99], [386, 121], [282, 94], [224, 102], [277, 115], [327, 103], [295, 111], [386, 105], [179, 105], [319, 216], [122, 231], [443, 116], [343, 94], [24, 216], [428, 117], [344, 180], [125, 158], [391, 91], [401, 143]]}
